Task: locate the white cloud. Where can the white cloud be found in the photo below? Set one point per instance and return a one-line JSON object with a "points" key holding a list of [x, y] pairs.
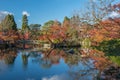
{"points": [[57, 77], [3, 14], [114, 14], [25, 13]]}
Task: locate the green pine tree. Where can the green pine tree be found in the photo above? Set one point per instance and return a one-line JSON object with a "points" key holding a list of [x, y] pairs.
{"points": [[9, 23], [25, 23]]}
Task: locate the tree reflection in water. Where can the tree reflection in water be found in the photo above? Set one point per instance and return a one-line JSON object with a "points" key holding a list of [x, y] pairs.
{"points": [[25, 59], [84, 70], [47, 58], [79, 68], [8, 56], [7, 59]]}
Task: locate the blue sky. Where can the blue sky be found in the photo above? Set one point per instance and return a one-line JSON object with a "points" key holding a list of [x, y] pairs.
{"points": [[40, 11]]}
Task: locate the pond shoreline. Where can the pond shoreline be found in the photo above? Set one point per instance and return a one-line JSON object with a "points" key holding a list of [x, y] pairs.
{"points": [[111, 73]]}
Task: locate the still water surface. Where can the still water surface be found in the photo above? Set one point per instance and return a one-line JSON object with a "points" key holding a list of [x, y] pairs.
{"points": [[45, 65]]}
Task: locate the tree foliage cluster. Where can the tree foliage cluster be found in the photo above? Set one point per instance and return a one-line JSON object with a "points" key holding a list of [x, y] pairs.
{"points": [[25, 23], [8, 23], [57, 32], [111, 47], [93, 23]]}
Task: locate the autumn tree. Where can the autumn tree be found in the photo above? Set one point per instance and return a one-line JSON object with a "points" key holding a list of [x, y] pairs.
{"points": [[54, 32], [47, 25], [9, 23], [97, 10], [112, 27], [73, 28], [110, 30], [97, 16]]}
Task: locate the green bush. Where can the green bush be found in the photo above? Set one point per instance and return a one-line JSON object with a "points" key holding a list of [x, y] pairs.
{"points": [[111, 47], [115, 59]]}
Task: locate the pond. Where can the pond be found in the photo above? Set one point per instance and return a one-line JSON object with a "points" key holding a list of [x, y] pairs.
{"points": [[54, 64]]}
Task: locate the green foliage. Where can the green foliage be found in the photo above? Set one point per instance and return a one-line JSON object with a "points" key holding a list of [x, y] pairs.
{"points": [[86, 43], [66, 18], [115, 59], [48, 24], [57, 23], [34, 26], [34, 31], [56, 41], [72, 35], [9, 23], [66, 22], [111, 48], [25, 23], [46, 27], [9, 59]]}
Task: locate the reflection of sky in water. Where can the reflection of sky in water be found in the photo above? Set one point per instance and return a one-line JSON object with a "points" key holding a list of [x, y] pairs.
{"points": [[58, 77], [83, 71], [3, 66], [33, 66], [76, 72]]}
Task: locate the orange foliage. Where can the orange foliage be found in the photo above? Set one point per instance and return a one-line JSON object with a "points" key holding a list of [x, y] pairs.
{"points": [[106, 30], [24, 36], [100, 60], [56, 32], [9, 35]]}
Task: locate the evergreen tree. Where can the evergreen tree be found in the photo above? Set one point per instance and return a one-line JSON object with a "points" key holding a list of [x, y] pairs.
{"points": [[66, 22], [9, 23], [34, 26], [25, 23], [14, 26]]}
